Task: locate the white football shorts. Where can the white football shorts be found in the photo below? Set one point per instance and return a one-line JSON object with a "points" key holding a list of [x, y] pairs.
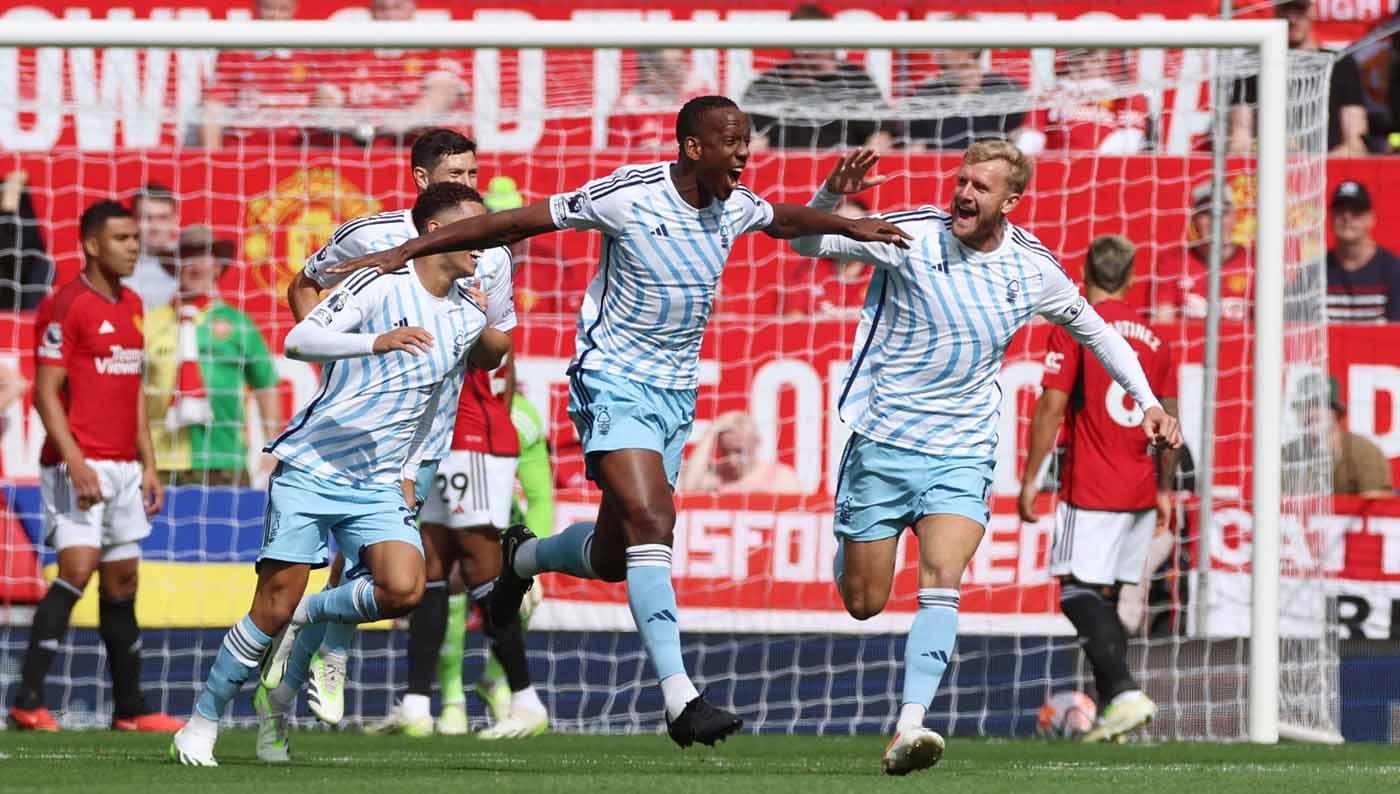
{"points": [[1101, 546], [472, 489], [116, 525]]}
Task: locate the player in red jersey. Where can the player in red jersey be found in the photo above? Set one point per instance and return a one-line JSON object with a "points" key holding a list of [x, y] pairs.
{"points": [[97, 470], [462, 519], [1114, 491]]}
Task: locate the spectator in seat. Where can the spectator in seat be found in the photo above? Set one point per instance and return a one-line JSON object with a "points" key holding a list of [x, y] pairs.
{"points": [[814, 101], [1363, 279], [1347, 126], [1077, 117], [201, 354], [1181, 284], [829, 289], [961, 83], [391, 94], [725, 460], [1359, 467], [262, 97], [25, 269], [645, 117], [158, 218]]}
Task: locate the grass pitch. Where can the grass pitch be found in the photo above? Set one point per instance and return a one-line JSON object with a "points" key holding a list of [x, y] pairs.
{"points": [[347, 762]]}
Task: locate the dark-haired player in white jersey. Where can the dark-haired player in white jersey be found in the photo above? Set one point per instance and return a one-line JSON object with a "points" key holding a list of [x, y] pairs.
{"points": [[667, 230]]}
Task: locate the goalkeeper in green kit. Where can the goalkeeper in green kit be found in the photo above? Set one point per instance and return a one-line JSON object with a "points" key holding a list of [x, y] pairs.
{"points": [[536, 480]]}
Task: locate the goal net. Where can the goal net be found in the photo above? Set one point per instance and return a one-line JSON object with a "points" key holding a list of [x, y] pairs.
{"points": [[273, 148]]}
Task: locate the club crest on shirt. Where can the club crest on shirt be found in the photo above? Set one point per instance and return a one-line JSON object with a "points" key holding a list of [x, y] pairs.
{"points": [[1013, 292], [459, 343]]}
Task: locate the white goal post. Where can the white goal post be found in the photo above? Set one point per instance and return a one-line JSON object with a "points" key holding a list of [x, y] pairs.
{"points": [[1266, 38]]}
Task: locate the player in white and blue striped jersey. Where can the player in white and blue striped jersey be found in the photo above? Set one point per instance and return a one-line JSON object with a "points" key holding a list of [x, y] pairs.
{"points": [[438, 156], [922, 399], [347, 463], [667, 230]]}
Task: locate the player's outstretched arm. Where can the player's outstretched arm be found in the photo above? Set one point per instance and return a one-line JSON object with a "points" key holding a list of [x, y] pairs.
{"points": [[1045, 426], [302, 295], [329, 334], [797, 220], [468, 234]]}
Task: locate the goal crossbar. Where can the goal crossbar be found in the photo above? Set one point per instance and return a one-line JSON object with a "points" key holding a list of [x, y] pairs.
{"points": [[1266, 37]]}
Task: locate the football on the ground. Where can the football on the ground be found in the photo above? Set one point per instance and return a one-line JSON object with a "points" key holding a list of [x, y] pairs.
{"points": [[1067, 714]]}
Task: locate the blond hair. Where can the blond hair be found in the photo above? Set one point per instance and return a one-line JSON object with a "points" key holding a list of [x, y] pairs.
{"points": [[1110, 262], [998, 149]]}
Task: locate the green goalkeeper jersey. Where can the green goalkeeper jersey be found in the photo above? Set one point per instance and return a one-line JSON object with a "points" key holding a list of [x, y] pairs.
{"points": [[534, 473]]}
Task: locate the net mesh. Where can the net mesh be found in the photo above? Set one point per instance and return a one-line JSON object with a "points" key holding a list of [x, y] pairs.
{"points": [[273, 149]]}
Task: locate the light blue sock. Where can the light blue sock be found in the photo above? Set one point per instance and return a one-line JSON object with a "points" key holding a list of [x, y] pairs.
{"points": [[351, 602], [299, 663], [652, 597], [928, 650], [567, 552], [338, 638], [238, 657]]}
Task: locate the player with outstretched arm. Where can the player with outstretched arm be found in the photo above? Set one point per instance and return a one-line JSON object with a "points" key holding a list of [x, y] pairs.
{"points": [[667, 230], [922, 398]]}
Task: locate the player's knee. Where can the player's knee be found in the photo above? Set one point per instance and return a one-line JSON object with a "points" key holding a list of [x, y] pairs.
{"points": [[652, 523], [399, 594], [119, 585], [863, 603], [77, 575]]}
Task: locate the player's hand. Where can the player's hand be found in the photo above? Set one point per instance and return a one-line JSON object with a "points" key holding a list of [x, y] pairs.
{"points": [[477, 294], [1164, 513], [876, 230], [851, 174], [152, 491], [410, 340], [1162, 429], [385, 261], [1025, 504], [86, 486]]}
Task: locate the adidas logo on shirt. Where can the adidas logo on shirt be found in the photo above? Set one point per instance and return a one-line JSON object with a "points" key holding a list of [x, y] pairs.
{"points": [[660, 231], [106, 328], [402, 323]]}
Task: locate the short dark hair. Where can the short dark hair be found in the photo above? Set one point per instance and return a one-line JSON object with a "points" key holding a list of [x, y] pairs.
{"points": [[437, 143], [438, 198], [809, 11], [692, 114], [152, 191], [1110, 262], [95, 217]]}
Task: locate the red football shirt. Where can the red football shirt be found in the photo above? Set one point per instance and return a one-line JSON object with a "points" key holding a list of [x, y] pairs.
{"points": [[1107, 465], [483, 419], [1181, 284], [819, 291], [1079, 120], [99, 342]]}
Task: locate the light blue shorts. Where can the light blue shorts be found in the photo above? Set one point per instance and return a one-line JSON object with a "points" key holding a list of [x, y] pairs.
{"points": [[883, 489], [304, 510], [611, 412]]}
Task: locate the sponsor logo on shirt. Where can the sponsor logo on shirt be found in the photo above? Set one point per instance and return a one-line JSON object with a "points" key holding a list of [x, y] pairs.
{"points": [[122, 361]]}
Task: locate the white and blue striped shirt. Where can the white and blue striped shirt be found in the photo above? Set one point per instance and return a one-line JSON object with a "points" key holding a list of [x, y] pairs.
{"points": [[645, 312], [494, 276], [370, 420], [937, 320]]}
